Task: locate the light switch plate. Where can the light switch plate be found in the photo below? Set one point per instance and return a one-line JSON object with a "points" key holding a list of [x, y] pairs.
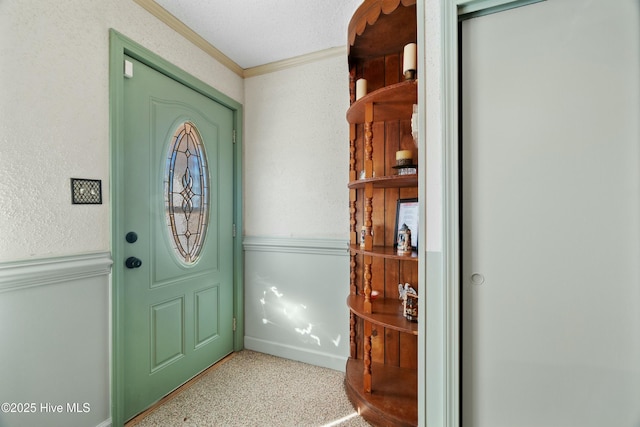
{"points": [[86, 191]]}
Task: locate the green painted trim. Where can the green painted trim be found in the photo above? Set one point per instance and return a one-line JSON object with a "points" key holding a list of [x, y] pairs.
{"points": [[116, 122], [443, 314], [238, 253], [119, 47]]}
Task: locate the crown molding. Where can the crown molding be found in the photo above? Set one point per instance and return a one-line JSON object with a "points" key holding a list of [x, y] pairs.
{"points": [[295, 61], [163, 15]]}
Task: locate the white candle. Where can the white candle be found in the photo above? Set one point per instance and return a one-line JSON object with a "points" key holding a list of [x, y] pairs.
{"points": [[403, 154], [409, 57], [361, 88]]}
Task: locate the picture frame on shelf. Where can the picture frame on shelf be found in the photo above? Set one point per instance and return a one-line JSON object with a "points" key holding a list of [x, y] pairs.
{"points": [[407, 213]]}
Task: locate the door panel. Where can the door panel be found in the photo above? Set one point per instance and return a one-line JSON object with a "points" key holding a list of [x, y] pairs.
{"points": [[207, 320], [550, 216], [167, 326], [178, 309]]}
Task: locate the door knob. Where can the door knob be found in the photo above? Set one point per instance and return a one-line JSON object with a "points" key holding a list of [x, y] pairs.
{"points": [[131, 237], [133, 262]]}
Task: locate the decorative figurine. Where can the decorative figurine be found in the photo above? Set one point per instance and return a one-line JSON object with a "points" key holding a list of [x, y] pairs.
{"points": [[404, 240], [409, 298], [411, 307], [403, 290]]}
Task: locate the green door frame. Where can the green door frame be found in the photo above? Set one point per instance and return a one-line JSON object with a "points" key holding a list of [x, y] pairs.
{"points": [[119, 47], [439, 331]]}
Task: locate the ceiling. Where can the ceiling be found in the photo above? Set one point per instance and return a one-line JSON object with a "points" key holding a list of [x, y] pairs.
{"points": [[258, 32]]}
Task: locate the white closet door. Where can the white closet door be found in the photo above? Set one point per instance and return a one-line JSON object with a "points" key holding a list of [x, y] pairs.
{"points": [[551, 216]]}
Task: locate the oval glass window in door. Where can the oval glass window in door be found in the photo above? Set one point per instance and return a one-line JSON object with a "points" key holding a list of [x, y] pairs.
{"points": [[187, 193]]}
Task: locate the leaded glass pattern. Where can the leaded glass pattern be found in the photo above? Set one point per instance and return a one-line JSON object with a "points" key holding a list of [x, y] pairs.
{"points": [[187, 192]]}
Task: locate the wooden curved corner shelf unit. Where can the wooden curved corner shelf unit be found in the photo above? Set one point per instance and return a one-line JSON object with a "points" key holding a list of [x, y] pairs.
{"points": [[381, 373], [392, 102], [391, 181], [388, 252], [392, 388], [385, 312], [388, 17]]}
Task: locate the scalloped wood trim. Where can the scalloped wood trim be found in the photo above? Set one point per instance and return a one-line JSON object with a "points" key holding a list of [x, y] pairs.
{"points": [[369, 12]]}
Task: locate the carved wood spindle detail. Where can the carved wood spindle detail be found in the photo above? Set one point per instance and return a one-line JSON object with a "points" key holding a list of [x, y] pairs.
{"points": [[353, 233], [368, 260], [353, 345], [353, 194], [367, 357], [368, 216], [353, 173], [368, 141], [368, 170], [352, 277]]}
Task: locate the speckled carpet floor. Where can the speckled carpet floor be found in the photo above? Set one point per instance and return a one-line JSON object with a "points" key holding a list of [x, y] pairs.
{"points": [[256, 389]]}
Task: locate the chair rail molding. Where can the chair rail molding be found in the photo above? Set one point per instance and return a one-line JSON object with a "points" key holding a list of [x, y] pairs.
{"points": [[48, 271], [296, 245]]}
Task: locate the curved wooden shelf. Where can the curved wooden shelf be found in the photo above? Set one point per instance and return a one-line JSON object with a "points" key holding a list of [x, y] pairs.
{"points": [[388, 252], [390, 181], [395, 27], [386, 313], [393, 397], [393, 102], [384, 394]]}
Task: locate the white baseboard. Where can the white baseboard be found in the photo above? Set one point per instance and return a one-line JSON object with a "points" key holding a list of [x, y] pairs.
{"points": [[105, 423], [295, 353]]}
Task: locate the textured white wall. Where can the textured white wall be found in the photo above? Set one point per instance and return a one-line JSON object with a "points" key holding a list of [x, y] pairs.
{"points": [[54, 115], [296, 173], [297, 151]]}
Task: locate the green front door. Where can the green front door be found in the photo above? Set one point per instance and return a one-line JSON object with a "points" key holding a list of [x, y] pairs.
{"points": [[177, 235]]}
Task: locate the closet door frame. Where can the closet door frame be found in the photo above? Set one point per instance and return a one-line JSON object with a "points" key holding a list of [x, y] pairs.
{"points": [[440, 327]]}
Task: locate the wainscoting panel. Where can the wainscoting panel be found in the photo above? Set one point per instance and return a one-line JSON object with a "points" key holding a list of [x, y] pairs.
{"points": [[54, 341], [295, 299]]}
